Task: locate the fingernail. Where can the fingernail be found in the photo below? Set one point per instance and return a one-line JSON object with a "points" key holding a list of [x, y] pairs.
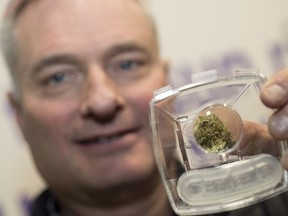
{"points": [[276, 92]]}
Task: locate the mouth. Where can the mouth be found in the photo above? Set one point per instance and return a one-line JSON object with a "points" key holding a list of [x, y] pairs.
{"points": [[113, 138], [100, 140]]}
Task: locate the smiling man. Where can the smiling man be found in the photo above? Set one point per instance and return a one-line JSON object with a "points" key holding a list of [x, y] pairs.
{"points": [[84, 73]]}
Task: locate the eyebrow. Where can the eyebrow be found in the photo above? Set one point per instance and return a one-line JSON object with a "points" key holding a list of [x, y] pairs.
{"points": [[125, 47], [15, 8], [73, 60], [54, 60]]}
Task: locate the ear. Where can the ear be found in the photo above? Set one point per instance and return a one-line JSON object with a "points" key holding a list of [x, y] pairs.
{"points": [[166, 66], [15, 103], [166, 69]]}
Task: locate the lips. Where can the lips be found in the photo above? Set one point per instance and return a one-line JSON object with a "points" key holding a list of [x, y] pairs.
{"points": [[104, 139], [99, 140]]}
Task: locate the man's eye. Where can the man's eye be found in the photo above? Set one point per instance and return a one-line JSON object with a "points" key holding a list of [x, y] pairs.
{"points": [[57, 78], [125, 68], [62, 77], [128, 65]]}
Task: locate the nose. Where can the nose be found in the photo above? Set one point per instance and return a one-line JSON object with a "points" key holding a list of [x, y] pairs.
{"points": [[101, 97]]}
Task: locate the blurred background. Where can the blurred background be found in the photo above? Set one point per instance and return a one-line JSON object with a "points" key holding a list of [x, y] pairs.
{"points": [[195, 36]]}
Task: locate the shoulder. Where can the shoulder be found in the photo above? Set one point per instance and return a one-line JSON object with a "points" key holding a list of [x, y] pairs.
{"points": [[39, 205]]}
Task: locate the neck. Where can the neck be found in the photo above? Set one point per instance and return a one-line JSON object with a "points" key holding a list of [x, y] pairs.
{"points": [[143, 198]]}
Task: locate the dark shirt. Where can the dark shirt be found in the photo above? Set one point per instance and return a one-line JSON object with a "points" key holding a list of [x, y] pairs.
{"points": [[45, 205]]}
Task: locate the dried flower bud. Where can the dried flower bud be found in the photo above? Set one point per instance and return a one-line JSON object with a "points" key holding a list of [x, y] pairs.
{"points": [[212, 134]]}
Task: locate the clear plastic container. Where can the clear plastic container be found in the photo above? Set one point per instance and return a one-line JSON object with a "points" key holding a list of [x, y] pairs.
{"points": [[212, 145]]}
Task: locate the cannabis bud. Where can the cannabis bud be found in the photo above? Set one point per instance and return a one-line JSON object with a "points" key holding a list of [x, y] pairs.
{"points": [[212, 134]]}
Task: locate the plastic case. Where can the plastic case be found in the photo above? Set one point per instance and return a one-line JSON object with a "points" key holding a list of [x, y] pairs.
{"points": [[221, 177]]}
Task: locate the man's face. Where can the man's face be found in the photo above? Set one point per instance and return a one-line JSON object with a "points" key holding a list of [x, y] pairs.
{"points": [[87, 71]]}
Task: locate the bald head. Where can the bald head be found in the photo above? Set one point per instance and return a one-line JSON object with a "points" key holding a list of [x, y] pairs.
{"points": [[15, 7]]}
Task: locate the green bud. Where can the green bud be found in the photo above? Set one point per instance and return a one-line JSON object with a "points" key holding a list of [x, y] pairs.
{"points": [[212, 134]]}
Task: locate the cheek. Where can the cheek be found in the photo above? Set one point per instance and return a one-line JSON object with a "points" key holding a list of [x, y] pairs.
{"points": [[45, 115], [142, 102], [141, 93], [44, 122], [45, 126]]}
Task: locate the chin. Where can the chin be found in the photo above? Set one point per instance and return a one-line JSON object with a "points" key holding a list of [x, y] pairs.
{"points": [[126, 172]]}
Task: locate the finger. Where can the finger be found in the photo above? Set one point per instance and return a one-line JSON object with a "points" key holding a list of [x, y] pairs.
{"points": [[274, 94], [278, 123], [256, 138], [284, 160]]}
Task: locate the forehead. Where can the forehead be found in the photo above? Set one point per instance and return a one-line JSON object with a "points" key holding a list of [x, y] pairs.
{"points": [[72, 13], [16, 7], [50, 23]]}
